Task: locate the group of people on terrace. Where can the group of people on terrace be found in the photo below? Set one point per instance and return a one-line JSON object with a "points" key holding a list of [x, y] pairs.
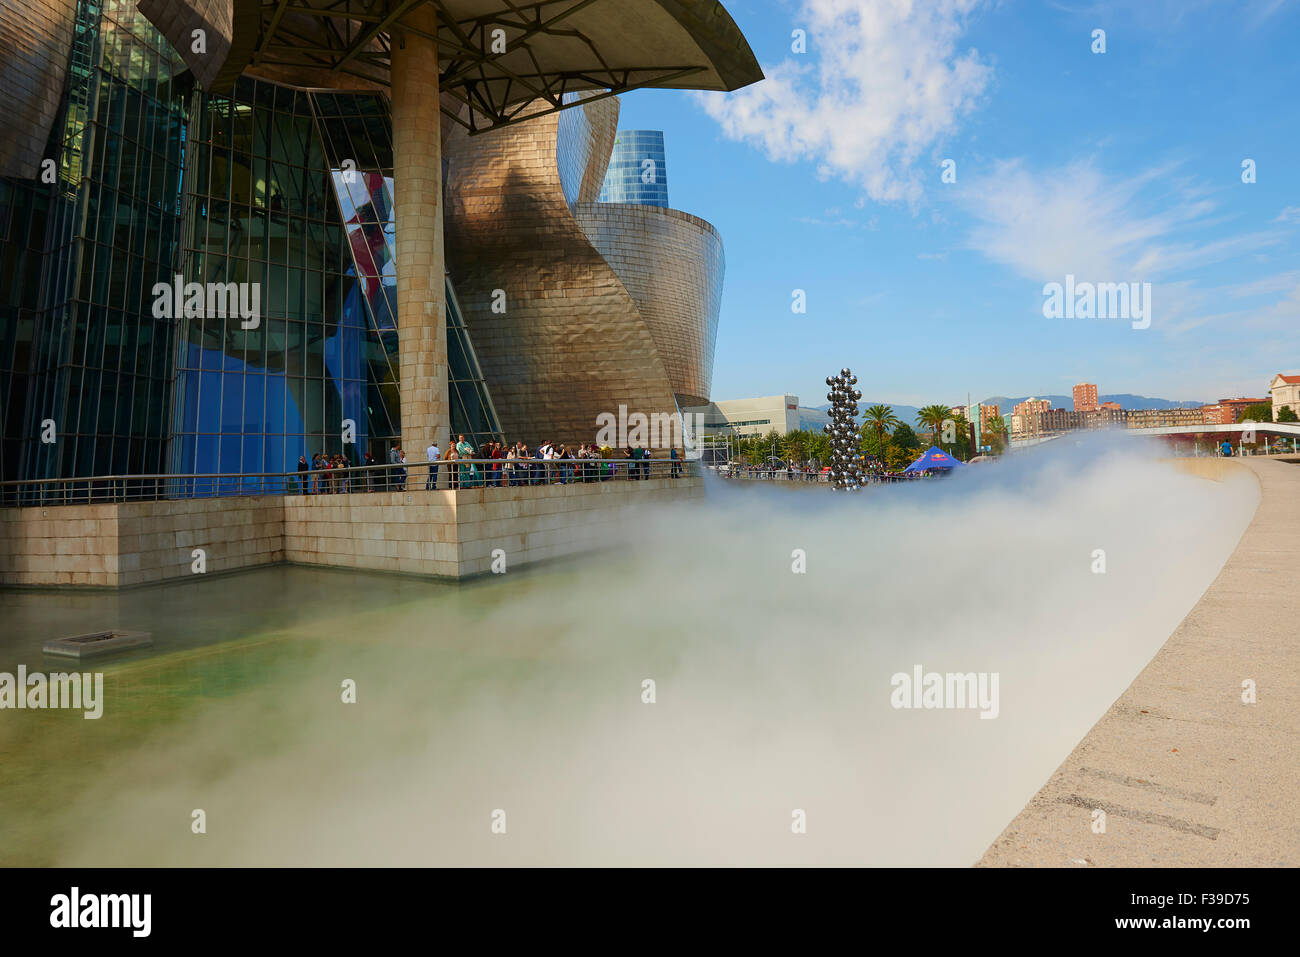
{"points": [[496, 464]]}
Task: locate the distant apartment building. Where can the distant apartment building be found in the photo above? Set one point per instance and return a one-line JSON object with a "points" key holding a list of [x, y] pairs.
{"points": [[1031, 406], [1162, 418], [1108, 416], [1212, 415], [1068, 420], [1085, 397], [1230, 409], [1059, 420], [1025, 417], [1285, 391], [985, 414]]}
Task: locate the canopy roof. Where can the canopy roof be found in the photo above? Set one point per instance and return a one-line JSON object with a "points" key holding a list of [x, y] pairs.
{"points": [[501, 60], [934, 458]]}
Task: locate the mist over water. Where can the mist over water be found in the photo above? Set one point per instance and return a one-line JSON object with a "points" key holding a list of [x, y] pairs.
{"points": [[523, 692]]}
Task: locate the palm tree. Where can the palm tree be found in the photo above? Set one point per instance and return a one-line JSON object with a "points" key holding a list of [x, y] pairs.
{"points": [[880, 419], [932, 418], [997, 428]]}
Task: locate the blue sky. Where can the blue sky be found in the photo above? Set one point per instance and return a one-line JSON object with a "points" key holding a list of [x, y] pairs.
{"points": [[1122, 166]]}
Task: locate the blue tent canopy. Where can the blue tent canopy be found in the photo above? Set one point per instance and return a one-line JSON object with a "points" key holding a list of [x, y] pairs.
{"points": [[934, 458]]}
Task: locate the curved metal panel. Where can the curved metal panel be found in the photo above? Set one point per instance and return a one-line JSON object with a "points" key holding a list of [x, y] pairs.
{"points": [[672, 264], [199, 30], [36, 37], [565, 341]]}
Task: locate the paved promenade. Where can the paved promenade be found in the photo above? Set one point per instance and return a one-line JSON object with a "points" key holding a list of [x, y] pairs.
{"points": [[1185, 771]]}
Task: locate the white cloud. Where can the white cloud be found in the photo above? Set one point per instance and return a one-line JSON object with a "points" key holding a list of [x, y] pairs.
{"points": [[1289, 215], [1150, 227], [882, 83], [1075, 220]]}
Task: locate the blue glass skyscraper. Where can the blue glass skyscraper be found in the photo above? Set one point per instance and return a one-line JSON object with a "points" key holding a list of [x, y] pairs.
{"points": [[637, 173]]}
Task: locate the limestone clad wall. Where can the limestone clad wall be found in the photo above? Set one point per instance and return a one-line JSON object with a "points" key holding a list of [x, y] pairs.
{"points": [[65, 545], [452, 534], [444, 533], [412, 532], [137, 543], [156, 540]]}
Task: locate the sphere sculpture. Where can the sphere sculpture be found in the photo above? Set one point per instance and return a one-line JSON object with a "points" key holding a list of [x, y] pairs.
{"points": [[846, 472]]}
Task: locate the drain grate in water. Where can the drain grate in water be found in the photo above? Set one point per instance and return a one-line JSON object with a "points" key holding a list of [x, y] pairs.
{"points": [[97, 643]]}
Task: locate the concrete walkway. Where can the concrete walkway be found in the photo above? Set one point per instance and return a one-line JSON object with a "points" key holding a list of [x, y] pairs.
{"points": [[1185, 771]]}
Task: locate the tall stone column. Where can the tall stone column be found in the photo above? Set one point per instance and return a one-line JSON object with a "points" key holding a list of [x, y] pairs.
{"points": [[417, 209]]}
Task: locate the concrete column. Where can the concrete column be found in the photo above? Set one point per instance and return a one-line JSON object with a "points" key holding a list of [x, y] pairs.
{"points": [[417, 201]]}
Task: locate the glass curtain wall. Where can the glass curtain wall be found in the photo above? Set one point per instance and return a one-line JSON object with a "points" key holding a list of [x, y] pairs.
{"points": [[253, 393], [109, 365], [95, 399], [291, 194], [638, 170]]}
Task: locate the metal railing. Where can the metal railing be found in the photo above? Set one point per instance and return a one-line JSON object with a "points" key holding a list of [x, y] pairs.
{"points": [[797, 477], [402, 477]]}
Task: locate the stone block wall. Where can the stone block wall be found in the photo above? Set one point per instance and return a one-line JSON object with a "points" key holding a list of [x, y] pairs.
{"points": [[413, 532], [440, 534], [59, 545], [137, 543], [156, 540]]}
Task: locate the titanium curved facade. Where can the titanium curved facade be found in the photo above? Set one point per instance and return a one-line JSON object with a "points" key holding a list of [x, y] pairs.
{"points": [[35, 36], [620, 307], [565, 341], [672, 265]]}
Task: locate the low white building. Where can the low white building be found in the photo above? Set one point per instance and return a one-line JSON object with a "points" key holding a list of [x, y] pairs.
{"points": [[1285, 390], [781, 414]]}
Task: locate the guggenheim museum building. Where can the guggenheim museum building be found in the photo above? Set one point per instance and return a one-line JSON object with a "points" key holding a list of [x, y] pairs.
{"points": [[233, 232]]}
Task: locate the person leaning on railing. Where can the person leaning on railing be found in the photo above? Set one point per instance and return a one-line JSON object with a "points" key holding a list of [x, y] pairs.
{"points": [[508, 469], [451, 456]]}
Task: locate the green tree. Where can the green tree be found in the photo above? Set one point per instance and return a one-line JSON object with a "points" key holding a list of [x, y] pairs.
{"points": [[995, 435], [878, 421], [1257, 412], [899, 458], [1285, 414], [931, 418], [905, 440], [795, 445], [959, 447], [819, 447], [760, 448]]}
